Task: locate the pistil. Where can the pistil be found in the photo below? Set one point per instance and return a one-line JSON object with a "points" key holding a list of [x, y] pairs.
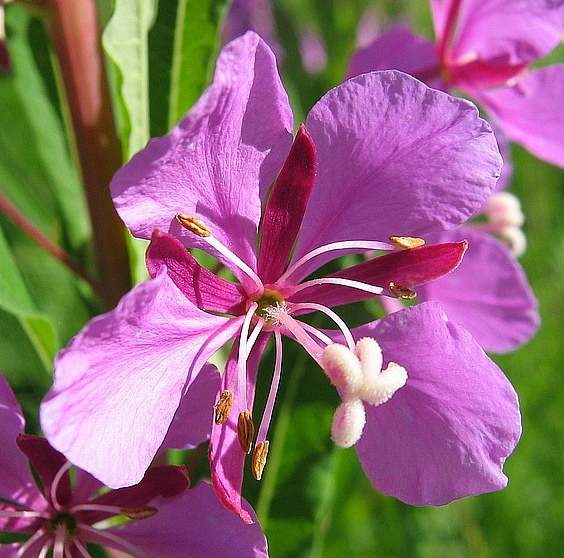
{"points": [[360, 379]]}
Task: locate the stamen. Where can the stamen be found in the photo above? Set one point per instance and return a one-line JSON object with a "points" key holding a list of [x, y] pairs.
{"points": [[401, 292], [200, 229], [259, 459], [21, 514], [193, 224], [82, 549], [328, 312], [269, 407], [113, 540], [139, 513], [333, 247], [222, 409], [407, 242], [67, 465], [341, 281], [390, 305], [37, 536], [245, 430], [45, 550], [253, 337], [132, 513]]}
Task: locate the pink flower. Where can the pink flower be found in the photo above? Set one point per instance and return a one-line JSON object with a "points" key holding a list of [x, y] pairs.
{"points": [[383, 161], [70, 512], [486, 49]]}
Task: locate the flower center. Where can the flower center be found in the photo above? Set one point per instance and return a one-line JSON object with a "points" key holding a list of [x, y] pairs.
{"points": [[267, 300], [65, 520]]}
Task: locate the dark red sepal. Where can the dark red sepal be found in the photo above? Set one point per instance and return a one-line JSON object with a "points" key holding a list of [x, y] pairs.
{"points": [[205, 289], [47, 462], [406, 268], [161, 480], [286, 206]]}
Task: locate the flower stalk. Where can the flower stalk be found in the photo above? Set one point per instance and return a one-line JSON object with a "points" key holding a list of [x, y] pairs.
{"points": [[75, 38]]}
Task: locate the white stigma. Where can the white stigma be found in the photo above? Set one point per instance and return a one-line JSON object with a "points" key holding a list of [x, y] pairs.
{"points": [[348, 423], [504, 208], [506, 218], [360, 379]]}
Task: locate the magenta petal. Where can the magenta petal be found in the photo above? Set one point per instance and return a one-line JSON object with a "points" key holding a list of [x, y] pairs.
{"points": [[193, 419], [227, 458], [285, 207], [195, 524], [530, 112], [16, 481], [399, 49], [120, 380], [488, 294], [448, 431], [506, 31], [219, 161], [395, 158], [205, 289]]}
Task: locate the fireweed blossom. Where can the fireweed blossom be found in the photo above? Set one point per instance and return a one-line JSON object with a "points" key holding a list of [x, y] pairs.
{"points": [[485, 48], [381, 156], [158, 517]]}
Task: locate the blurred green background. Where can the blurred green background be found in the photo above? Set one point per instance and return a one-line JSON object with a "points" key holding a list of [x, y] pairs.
{"points": [[314, 500]]}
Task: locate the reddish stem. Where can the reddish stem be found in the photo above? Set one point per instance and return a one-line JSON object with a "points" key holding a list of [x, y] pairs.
{"points": [[46, 243], [75, 37]]}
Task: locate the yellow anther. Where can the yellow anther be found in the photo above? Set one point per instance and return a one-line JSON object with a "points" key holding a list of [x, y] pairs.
{"points": [[222, 409], [259, 459], [401, 292], [193, 224], [245, 431], [407, 242], [139, 513]]}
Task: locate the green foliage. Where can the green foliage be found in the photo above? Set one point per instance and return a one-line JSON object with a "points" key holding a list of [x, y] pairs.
{"points": [[126, 41]]}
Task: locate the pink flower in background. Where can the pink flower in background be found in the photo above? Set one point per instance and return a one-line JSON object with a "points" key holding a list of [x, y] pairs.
{"points": [[486, 48], [158, 517], [381, 161]]}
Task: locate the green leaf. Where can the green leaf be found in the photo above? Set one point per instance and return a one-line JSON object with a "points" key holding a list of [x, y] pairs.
{"points": [[28, 341], [125, 40], [195, 42], [14, 296]]}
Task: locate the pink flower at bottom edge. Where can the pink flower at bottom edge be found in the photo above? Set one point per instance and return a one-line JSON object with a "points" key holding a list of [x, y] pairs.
{"points": [[164, 517]]}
